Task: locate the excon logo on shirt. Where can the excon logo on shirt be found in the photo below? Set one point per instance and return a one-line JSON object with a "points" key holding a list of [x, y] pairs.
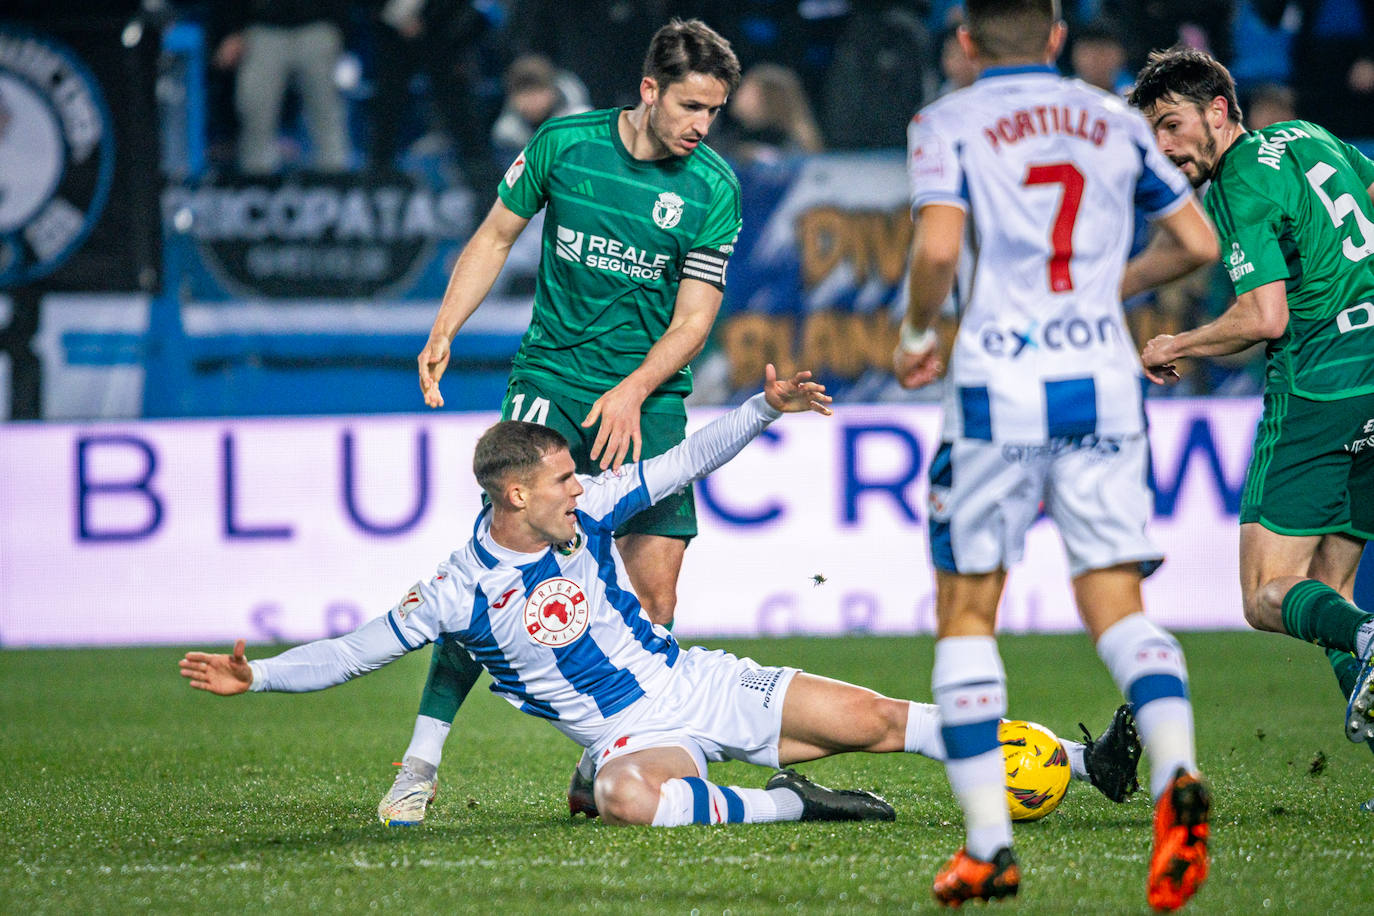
{"points": [[611, 255], [1072, 333]]}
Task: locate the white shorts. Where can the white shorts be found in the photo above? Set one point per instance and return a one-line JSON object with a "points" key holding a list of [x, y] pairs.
{"points": [[984, 496], [717, 707]]}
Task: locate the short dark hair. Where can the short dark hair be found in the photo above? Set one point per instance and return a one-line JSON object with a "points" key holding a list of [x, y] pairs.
{"points": [[690, 46], [512, 447], [1004, 29], [1188, 75]]}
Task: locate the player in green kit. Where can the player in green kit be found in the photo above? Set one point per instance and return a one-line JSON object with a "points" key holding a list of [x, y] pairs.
{"points": [[1294, 210], [640, 220]]}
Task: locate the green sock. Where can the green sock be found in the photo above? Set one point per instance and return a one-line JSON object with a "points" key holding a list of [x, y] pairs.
{"points": [[1347, 669], [1315, 612], [452, 672]]}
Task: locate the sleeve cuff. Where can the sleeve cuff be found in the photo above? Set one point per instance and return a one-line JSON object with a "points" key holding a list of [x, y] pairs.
{"points": [[763, 408], [259, 684]]}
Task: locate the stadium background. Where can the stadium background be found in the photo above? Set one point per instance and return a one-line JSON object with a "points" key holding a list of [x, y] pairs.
{"points": [[212, 425]]}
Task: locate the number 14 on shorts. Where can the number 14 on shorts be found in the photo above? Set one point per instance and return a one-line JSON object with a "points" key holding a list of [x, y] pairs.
{"points": [[538, 412]]}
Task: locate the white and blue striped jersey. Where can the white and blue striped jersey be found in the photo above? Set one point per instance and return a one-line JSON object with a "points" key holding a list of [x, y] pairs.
{"points": [[1050, 172], [560, 631]]}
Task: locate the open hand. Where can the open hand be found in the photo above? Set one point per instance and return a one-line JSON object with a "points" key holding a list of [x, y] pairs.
{"points": [[225, 675], [619, 435], [796, 394]]}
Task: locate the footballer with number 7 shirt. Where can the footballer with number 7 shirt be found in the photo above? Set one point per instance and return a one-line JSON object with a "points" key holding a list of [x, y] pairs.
{"points": [[1024, 188]]}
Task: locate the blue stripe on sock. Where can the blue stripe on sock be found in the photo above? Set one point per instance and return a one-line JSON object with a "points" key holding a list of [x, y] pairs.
{"points": [[701, 799], [964, 741], [734, 805], [1155, 687]]}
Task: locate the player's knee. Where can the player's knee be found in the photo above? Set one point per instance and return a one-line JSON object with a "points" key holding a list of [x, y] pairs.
{"points": [[625, 797], [1263, 605], [660, 605], [875, 722]]}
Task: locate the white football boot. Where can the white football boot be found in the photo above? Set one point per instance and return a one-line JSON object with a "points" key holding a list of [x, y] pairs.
{"points": [[416, 784]]}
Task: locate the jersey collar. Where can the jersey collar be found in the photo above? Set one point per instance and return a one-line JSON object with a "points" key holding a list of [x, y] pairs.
{"points": [[492, 554], [1043, 69], [668, 163]]}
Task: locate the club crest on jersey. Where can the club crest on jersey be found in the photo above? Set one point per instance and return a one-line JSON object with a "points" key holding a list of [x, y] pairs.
{"points": [[571, 547], [557, 613], [667, 210]]}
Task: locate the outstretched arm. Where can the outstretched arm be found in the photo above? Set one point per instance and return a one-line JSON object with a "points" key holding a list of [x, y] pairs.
{"points": [[616, 496], [313, 666], [474, 273]]}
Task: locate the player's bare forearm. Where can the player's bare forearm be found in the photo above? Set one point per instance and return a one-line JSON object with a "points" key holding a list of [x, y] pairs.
{"points": [[1183, 242], [934, 259], [473, 275], [618, 409], [935, 248], [1257, 315]]}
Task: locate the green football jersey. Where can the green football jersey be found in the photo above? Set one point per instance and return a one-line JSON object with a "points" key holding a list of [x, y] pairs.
{"points": [[1290, 203], [617, 234]]}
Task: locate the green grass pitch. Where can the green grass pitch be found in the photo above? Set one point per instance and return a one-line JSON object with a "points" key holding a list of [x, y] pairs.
{"points": [[126, 791]]}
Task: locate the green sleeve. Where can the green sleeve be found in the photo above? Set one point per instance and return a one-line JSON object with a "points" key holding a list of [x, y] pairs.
{"points": [[1360, 163], [722, 224], [1248, 225], [525, 188]]}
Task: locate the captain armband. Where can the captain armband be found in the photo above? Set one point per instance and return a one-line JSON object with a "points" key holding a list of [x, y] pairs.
{"points": [[707, 265]]}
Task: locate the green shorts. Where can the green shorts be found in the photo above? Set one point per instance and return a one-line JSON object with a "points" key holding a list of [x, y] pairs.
{"points": [[1313, 467], [537, 401]]}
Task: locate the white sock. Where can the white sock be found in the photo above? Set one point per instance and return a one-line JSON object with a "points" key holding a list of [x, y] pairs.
{"points": [[923, 737], [695, 801], [923, 731], [1364, 640], [586, 764], [1077, 768], [970, 689], [1147, 664], [427, 741]]}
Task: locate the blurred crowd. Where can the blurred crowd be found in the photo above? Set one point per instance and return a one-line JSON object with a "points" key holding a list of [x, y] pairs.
{"points": [[336, 85], [346, 84]]}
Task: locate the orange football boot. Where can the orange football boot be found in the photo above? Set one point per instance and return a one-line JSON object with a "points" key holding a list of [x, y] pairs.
{"points": [[966, 878], [1178, 865]]}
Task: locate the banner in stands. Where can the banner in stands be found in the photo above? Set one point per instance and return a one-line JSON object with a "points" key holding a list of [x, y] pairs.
{"points": [[78, 159], [327, 237], [290, 529], [817, 276]]}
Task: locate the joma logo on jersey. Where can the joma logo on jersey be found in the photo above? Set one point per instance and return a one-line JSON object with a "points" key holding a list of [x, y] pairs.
{"points": [[1057, 334], [612, 255]]}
